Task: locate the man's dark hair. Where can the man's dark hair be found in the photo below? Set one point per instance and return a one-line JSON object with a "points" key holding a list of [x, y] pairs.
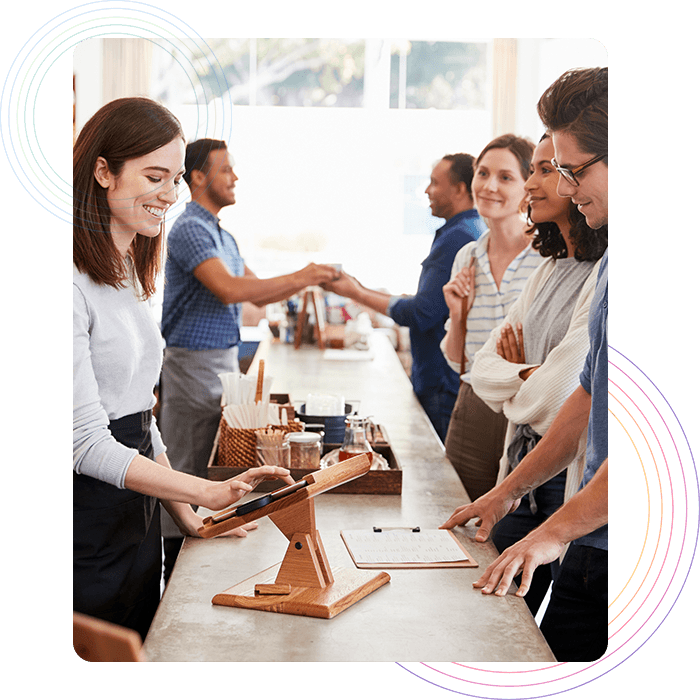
{"points": [[577, 103], [197, 156], [461, 169]]}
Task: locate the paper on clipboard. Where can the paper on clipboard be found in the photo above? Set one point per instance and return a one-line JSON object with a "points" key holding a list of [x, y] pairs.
{"points": [[404, 548]]}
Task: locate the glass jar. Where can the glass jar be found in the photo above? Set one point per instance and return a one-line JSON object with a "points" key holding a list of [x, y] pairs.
{"points": [[272, 448], [355, 442], [304, 450]]}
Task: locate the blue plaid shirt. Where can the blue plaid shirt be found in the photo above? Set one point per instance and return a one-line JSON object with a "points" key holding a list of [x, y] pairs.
{"points": [[193, 318]]}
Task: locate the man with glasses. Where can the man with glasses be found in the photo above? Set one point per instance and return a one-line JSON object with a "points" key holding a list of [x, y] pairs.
{"points": [[590, 193], [575, 110], [570, 175]]}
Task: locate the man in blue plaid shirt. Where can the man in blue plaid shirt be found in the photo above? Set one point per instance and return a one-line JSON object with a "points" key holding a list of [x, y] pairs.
{"points": [[206, 281]]}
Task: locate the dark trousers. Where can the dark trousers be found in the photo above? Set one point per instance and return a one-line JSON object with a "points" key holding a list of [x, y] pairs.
{"points": [[576, 622], [438, 405], [116, 542]]}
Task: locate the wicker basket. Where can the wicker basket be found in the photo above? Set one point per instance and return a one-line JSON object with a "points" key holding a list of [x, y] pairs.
{"points": [[237, 445]]}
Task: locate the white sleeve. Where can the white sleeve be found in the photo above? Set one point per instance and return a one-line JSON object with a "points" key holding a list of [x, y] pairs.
{"points": [[95, 451]]}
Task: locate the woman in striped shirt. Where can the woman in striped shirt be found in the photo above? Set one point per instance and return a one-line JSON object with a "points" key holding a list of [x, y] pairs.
{"points": [[489, 274]]}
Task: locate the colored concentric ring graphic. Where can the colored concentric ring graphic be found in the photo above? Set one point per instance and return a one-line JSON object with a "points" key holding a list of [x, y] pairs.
{"points": [[27, 121], [656, 472]]}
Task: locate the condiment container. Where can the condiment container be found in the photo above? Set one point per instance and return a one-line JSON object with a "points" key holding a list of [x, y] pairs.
{"points": [[355, 442], [304, 450]]}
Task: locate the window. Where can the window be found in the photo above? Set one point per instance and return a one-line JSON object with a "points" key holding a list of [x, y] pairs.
{"points": [[439, 75], [278, 72], [332, 184]]}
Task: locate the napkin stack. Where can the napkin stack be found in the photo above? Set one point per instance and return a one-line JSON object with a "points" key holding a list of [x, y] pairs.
{"points": [[240, 408]]}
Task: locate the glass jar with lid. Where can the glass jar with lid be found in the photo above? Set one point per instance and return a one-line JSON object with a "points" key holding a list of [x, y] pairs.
{"points": [[304, 450]]}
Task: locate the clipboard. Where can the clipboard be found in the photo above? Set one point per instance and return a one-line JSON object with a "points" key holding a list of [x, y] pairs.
{"points": [[406, 548]]}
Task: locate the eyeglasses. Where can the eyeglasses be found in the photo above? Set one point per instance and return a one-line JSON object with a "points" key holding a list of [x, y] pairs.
{"points": [[570, 174]]}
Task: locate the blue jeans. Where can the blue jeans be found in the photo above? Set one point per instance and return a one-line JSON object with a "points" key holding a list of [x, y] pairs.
{"points": [[512, 528], [438, 405]]}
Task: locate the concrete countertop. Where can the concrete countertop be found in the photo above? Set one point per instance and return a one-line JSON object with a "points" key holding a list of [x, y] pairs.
{"points": [[420, 615]]}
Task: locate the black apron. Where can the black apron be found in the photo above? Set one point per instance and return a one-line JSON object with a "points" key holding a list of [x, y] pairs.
{"points": [[117, 557]]}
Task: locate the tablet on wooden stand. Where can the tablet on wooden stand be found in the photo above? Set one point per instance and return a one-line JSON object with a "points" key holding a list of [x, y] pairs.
{"points": [[304, 583]]}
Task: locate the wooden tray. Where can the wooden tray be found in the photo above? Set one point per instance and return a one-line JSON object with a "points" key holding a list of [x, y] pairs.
{"points": [[386, 481]]}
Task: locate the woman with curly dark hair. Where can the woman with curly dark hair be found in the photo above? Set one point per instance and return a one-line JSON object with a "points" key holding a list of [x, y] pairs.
{"points": [[587, 244], [532, 362]]}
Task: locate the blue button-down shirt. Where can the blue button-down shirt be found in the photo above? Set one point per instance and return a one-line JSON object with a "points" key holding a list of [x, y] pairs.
{"points": [[426, 312], [193, 318]]}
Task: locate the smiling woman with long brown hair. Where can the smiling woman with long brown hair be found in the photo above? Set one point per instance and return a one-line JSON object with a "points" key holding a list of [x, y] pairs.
{"points": [[127, 163]]}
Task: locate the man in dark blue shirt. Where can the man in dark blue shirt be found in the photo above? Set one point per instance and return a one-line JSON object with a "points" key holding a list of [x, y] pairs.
{"points": [[425, 313]]}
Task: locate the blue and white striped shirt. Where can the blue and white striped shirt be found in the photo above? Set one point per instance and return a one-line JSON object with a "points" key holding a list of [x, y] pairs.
{"points": [[193, 318], [491, 303]]}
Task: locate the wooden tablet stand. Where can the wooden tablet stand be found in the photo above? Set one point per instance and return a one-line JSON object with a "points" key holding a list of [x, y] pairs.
{"points": [[303, 583], [313, 296]]}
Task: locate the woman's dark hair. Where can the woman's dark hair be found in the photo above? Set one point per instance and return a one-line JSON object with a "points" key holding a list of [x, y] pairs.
{"points": [[589, 244], [123, 129]]}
